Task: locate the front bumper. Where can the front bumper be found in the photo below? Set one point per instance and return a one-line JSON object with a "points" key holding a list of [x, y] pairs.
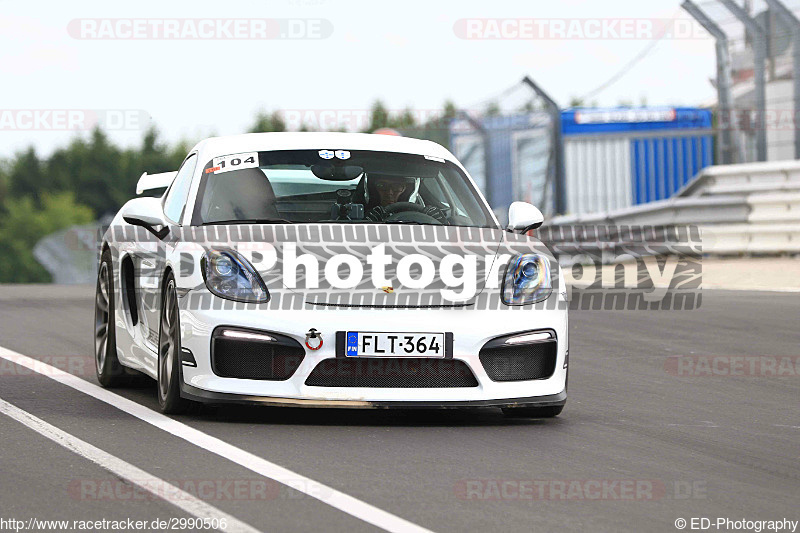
{"points": [[204, 396], [471, 329]]}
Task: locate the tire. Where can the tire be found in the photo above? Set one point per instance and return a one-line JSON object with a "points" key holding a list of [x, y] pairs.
{"points": [[110, 373], [169, 349], [549, 411]]}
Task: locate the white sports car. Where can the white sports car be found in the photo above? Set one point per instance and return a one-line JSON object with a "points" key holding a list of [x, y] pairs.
{"points": [[329, 269]]}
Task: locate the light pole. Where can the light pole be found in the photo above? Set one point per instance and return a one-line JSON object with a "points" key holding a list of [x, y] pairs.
{"points": [[558, 145], [759, 75], [728, 146], [791, 20]]}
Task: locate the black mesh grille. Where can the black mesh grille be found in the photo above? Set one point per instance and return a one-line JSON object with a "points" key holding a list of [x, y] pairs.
{"points": [[520, 363], [388, 372], [246, 359]]}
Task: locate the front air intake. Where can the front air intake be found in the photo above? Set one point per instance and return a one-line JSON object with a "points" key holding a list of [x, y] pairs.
{"points": [[247, 354], [392, 372], [505, 360]]}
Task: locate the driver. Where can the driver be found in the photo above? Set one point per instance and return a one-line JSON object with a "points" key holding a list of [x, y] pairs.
{"points": [[391, 190]]}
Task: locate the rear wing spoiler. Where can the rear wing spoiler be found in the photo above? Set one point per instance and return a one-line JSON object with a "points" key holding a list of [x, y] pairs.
{"points": [[149, 182]]}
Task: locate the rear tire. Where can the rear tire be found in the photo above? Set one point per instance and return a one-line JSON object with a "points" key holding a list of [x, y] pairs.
{"points": [[110, 373], [169, 349], [549, 411]]}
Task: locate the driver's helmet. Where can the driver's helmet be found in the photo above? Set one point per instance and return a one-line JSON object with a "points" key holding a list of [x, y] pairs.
{"points": [[388, 188]]}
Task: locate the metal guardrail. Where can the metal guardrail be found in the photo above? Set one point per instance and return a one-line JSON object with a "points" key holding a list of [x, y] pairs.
{"points": [[751, 238], [672, 211], [751, 208], [70, 255], [744, 178]]}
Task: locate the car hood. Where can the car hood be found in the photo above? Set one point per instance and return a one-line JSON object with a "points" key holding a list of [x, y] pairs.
{"points": [[422, 266]]}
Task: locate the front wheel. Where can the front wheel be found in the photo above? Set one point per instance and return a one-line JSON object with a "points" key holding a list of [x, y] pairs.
{"points": [[169, 349], [549, 411]]}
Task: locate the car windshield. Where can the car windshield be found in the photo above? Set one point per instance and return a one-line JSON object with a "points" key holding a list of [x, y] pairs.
{"points": [[337, 186]]}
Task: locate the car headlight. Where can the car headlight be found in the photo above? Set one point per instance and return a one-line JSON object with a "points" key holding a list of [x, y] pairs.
{"points": [[527, 280], [229, 275]]}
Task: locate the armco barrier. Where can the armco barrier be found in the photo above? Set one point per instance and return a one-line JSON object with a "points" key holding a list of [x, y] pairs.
{"points": [[70, 255], [745, 178], [752, 208], [728, 239], [774, 207], [721, 209]]}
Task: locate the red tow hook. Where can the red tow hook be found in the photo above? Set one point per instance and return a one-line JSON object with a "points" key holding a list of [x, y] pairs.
{"points": [[313, 334]]}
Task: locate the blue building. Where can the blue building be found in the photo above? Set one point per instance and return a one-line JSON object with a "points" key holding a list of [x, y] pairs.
{"points": [[613, 157], [619, 157]]}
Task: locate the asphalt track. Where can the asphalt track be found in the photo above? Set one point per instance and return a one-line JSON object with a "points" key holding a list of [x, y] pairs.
{"points": [[636, 448]]}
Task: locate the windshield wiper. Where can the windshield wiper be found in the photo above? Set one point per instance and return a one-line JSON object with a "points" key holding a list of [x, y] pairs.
{"points": [[249, 221]]}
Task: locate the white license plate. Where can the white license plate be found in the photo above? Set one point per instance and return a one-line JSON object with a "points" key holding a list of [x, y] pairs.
{"points": [[373, 344]]}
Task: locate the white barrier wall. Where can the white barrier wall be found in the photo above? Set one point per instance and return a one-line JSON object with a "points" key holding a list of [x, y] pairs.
{"points": [[752, 208], [598, 173]]}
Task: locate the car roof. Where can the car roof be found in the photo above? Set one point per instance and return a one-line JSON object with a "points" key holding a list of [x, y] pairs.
{"points": [[257, 142]]}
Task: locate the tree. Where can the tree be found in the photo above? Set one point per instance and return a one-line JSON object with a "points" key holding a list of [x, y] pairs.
{"points": [[268, 122], [450, 110], [24, 223], [436, 129], [406, 120], [94, 170], [492, 109], [3, 184], [379, 117], [26, 177], [153, 157], [439, 130], [528, 107]]}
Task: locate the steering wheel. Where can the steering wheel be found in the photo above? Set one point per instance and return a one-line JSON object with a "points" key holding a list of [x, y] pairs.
{"points": [[400, 207], [409, 212]]}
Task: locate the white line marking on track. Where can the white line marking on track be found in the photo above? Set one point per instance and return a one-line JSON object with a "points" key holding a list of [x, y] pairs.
{"points": [[328, 495], [136, 476]]}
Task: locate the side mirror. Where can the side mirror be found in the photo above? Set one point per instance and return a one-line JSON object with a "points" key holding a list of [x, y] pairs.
{"points": [[147, 213], [523, 216]]}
